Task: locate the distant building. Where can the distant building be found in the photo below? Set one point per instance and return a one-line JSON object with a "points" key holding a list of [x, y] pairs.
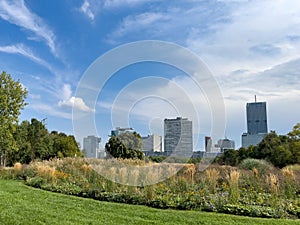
{"points": [[257, 125], [151, 144], [252, 139], [221, 146], [225, 144], [208, 144], [257, 118], [120, 130], [178, 137], [91, 146]]}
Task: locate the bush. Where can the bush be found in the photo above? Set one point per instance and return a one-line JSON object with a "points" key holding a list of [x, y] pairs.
{"points": [[261, 165], [254, 211]]}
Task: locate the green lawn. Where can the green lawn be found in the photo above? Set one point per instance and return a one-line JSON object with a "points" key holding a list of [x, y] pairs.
{"points": [[20, 204]]}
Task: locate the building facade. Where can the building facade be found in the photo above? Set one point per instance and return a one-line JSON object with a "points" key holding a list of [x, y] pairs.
{"points": [[256, 118], [178, 137], [225, 144], [91, 146], [152, 143], [257, 124], [120, 130]]}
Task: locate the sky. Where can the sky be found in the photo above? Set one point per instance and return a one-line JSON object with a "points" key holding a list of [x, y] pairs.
{"points": [[251, 47]]}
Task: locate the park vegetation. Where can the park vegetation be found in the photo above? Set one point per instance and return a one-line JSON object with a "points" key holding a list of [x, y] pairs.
{"points": [[280, 150], [258, 181], [24, 205], [127, 145], [255, 188], [27, 141]]}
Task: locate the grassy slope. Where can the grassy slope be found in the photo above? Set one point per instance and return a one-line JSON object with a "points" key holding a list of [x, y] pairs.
{"points": [[20, 204]]}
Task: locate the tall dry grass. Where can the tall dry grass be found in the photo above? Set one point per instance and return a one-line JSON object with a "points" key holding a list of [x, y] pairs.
{"points": [[211, 177], [233, 182], [273, 183]]}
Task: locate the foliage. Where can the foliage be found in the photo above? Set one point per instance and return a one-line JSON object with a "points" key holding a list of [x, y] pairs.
{"points": [[63, 209], [35, 142], [261, 165], [280, 150], [126, 146], [12, 101], [210, 190]]}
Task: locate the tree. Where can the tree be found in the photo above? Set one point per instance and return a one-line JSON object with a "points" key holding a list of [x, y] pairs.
{"points": [[40, 140], [65, 145], [12, 101], [127, 146], [295, 133], [23, 154]]}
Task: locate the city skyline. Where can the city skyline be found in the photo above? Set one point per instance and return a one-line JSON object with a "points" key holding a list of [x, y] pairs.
{"points": [[247, 52]]}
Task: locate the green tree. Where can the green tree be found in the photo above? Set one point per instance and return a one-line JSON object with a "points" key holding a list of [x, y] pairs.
{"points": [[23, 155], [281, 156], [65, 145], [229, 157], [127, 146], [12, 101], [295, 133], [40, 140]]}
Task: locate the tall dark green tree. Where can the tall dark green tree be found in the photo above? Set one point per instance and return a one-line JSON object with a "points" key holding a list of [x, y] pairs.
{"points": [[12, 101], [65, 145], [127, 146]]}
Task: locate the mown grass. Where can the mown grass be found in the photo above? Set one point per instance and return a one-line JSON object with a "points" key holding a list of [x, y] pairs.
{"points": [[20, 204]]}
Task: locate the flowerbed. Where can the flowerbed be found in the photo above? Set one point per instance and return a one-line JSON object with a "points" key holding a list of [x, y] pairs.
{"points": [[273, 193]]}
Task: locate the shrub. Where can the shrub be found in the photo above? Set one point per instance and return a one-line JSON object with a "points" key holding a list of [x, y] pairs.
{"points": [[261, 165]]}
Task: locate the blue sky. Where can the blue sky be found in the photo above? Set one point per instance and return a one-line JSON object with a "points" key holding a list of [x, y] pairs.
{"points": [[251, 47]]}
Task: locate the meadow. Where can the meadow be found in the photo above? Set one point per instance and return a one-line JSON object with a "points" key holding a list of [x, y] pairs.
{"points": [[255, 188], [21, 204]]}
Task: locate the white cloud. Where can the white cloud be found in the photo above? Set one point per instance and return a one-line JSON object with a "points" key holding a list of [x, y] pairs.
{"points": [[16, 12], [71, 101], [122, 3], [86, 9], [249, 39], [91, 8], [136, 23], [24, 51], [50, 110]]}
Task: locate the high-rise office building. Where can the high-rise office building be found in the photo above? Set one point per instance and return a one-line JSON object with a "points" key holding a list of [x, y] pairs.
{"points": [[152, 143], [257, 125], [91, 146], [120, 130], [178, 137], [225, 144], [256, 118]]}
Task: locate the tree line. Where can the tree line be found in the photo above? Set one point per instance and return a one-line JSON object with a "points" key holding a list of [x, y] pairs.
{"points": [[280, 150], [27, 141]]}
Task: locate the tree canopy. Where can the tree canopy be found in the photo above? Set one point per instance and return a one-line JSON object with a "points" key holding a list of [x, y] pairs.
{"points": [[280, 150], [127, 146], [12, 101]]}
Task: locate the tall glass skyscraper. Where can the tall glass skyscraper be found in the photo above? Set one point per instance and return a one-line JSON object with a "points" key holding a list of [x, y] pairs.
{"points": [[178, 137], [256, 118], [257, 125]]}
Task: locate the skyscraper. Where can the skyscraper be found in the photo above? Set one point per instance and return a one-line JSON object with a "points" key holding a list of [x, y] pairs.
{"points": [[256, 118], [257, 125], [91, 146], [178, 137], [152, 143]]}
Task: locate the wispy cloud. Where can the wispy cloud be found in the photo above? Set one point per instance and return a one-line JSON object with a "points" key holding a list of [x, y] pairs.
{"points": [[91, 8], [50, 110], [173, 21], [122, 3], [86, 9], [16, 12], [24, 51]]}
